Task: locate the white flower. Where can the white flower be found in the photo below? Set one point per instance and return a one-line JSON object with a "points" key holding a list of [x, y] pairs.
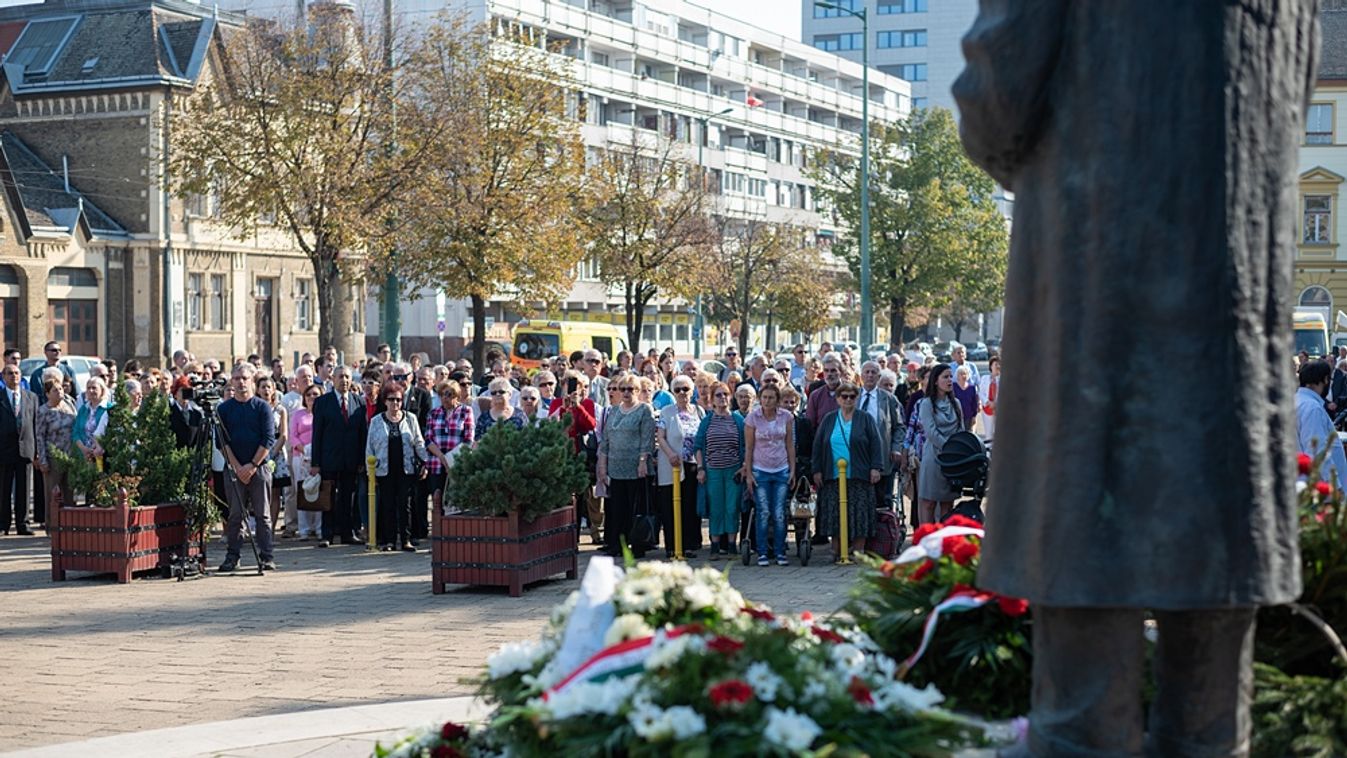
{"points": [[1301, 484], [897, 694], [792, 731], [764, 682], [666, 652], [514, 657], [848, 659], [699, 596], [653, 723], [886, 666], [606, 697], [628, 626], [640, 595], [669, 575], [815, 689]]}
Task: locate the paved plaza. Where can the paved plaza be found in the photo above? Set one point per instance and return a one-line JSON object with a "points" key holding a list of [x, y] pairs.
{"points": [[89, 658]]}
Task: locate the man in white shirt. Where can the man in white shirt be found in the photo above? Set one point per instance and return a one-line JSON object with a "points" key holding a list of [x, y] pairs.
{"points": [[293, 401], [958, 355], [1314, 429]]}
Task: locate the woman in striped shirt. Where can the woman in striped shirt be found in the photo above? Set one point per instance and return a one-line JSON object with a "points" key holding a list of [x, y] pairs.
{"points": [[720, 456]]}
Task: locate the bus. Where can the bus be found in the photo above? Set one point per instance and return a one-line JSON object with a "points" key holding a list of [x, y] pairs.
{"points": [[1311, 330], [536, 341]]}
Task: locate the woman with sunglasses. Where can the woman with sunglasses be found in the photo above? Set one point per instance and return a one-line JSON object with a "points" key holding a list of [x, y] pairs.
{"points": [[940, 418], [676, 434], [625, 449], [448, 426], [397, 446], [301, 440], [500, 390], [853, 437], [720, 457], [546, 382]]}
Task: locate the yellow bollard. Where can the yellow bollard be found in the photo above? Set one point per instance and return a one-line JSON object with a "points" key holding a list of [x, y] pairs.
{"points": [[678, 511], [370, 544], [98, 463], [843, 537]]}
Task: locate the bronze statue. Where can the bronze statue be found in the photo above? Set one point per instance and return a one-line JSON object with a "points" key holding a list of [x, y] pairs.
{"points": [[1146, 430]]}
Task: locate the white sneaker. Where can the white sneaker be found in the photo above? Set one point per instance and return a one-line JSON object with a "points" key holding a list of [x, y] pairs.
{"points": [[762, 561]]}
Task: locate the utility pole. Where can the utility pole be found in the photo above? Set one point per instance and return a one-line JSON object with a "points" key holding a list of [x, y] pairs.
{"points": [[699, 325], [392, 315], [867, 308]]}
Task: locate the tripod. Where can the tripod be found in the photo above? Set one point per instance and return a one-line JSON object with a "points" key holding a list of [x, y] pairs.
{"points": [[201, 495]]}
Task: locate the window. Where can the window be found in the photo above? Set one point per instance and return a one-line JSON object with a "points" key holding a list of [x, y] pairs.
{"points": [[74, 322], [36, 48], [1318, 219], [9, 320], [304, 304], [219, 302], [835, 42], [732, 183], [195, 301], [849, 5], [1316, 296], [919, 103], [912, 72], [1319, 124], [62, 276], [908, 38], [901, 6], [757, 187]]}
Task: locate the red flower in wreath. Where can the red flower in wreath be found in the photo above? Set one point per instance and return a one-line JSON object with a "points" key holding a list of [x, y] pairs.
{"points": [[828, 635], [807, 616], [1303, 462], [860, 693], [730, 692], [1323, 488], [964, 552], [923, 531], [958, 520], [451, 731], [445, 751], [1013, 606], [759, 614], [724, 645], [925, 568]]}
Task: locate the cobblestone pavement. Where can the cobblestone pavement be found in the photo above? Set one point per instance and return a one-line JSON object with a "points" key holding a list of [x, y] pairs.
{"points": [[337, 627]]}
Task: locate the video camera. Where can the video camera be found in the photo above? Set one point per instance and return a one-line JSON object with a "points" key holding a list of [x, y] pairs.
{"points": [[205, 390]]}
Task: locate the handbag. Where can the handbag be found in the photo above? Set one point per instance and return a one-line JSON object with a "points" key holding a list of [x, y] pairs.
{"points": [[644, 533], [322, 503]]}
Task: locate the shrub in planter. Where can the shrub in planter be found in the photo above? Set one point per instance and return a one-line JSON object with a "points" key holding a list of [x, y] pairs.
{"points": [[532, 471]]}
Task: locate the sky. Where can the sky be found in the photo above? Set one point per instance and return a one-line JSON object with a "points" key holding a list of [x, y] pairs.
{"points": [[780, 16]]}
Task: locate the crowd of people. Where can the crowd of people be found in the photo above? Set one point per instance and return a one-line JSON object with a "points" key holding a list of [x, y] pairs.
{"points": [[740, 443]]}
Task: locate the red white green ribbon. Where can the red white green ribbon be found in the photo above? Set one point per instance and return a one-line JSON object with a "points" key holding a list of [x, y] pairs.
{"points": [[623, 659], [961, 601]]}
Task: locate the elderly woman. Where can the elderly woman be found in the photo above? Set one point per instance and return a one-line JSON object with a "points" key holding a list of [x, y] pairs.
{"points": [[720, 457], [546, 382], [625, 448], [396, 444], [744, 398], [500, 390], [888, 380], [845, 435], [676, 435], [531, 404], [447, 427], [52, 432], [966, 393], [92, 419]]}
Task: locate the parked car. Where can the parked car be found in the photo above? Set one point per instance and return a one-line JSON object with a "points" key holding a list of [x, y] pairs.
{"points": [[917, 351], [941, 351], [713, 367], [978, 351], [994, 346], [80, 365]]}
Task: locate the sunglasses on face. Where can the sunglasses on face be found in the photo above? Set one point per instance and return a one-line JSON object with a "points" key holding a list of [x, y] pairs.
{"points": [[681, 390], [846, 396], [399, 377], [722, 394], [625, 390], [499, 392], [393, 398], [528, 398], [594, 360]]}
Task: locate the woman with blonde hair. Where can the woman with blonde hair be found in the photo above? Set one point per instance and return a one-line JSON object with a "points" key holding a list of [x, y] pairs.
{"points": [[500, 409], [395, 443]]}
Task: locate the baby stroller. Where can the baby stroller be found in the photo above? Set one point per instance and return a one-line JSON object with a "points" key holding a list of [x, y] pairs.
{"points": [[802, 505], [964, 462]]}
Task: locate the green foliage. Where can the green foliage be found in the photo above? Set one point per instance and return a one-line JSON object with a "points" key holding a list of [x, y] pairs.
{"points": [[533, 470], [1301, 716], [980, 658]]}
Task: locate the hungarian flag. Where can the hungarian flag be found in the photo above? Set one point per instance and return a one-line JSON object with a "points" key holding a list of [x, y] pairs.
{"points": [[752, 101]]}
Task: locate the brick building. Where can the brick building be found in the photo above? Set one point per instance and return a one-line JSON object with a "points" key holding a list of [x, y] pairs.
{"points": [[93, 250]]}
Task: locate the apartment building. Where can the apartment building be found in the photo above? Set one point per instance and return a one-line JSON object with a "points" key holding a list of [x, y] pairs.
{"points": [[914, 40]]}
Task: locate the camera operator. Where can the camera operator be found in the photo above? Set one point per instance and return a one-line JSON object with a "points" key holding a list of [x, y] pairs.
{"points": [[338, 453], [185, 417], [249, 433]]}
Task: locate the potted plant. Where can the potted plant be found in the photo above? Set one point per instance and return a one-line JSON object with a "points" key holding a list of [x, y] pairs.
{"points": [[138, 516], [509, 518]]}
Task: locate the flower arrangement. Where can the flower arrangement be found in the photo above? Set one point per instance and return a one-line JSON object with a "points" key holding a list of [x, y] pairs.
{"points": [[449, 740], [925, 609], [673, 661]]}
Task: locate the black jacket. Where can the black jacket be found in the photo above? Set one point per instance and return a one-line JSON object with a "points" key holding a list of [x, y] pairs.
{"points": [[187, 425], [338, 443], [1337, 391]]}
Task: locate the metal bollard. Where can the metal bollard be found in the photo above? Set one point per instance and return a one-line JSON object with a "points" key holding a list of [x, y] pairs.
{"points": [[370, 543], [678, 511], [843, 537]]}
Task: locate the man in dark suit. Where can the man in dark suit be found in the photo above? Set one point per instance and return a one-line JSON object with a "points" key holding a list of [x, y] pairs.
{"points": [[338, 454], [184, 416], [1337, 391], [18, 410], [883, 407]]}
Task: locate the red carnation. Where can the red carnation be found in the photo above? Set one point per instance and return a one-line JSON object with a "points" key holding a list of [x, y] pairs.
{"points": [[923, 531], [957, 520], [859, 692], [922, 570], [1323, 488], [828, 635], [451, 731], [760, 614], [724, 645], [445, 751], [1013, 606], [692, 628], [1303, 462], [964, 552], [806, 616], [730, 692]]}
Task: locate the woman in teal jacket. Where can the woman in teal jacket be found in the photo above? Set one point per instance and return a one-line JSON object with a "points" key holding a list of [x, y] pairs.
{"points": [[720, 456]]}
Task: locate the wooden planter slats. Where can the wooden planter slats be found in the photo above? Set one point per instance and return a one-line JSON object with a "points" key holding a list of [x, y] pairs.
{"points": [[119, 540], [502, 551]]}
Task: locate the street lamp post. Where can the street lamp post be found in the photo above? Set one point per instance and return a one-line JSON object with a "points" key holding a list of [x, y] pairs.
{"points": [[700, 324], [867, 308]]}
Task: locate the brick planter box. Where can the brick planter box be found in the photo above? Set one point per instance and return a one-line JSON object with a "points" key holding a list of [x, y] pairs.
{"points": [[502, 551], [119, 540]]}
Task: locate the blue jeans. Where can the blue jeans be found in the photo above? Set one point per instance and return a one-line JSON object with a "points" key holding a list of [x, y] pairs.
{"points": [[771, 493]]}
